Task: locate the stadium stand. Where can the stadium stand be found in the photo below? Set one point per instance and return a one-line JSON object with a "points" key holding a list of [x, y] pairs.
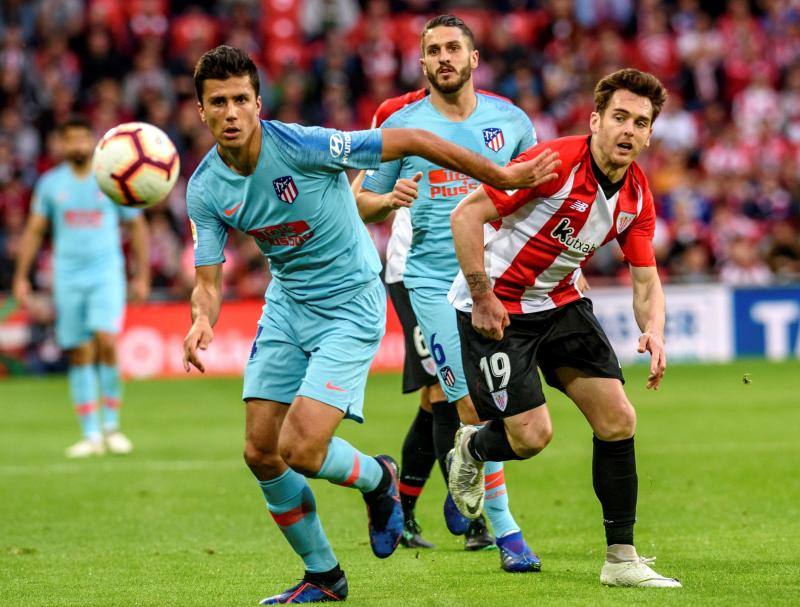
{"points": [[724, 163]]}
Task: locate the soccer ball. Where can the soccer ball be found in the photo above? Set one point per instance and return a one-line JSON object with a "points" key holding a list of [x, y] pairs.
{"points": [[136, 164]]}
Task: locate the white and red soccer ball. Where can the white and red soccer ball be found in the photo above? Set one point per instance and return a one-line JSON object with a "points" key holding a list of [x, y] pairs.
{"points": [[136, 164]]}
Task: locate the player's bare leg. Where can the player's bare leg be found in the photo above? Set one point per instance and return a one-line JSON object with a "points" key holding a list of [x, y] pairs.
{"points": [[110, 393], [83, 388], [289, 498], [308, 446], [613, 420]]}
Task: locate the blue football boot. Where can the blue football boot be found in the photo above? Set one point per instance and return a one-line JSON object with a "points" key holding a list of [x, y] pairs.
{"points": [[385, 513], [457, 523], [515, 554], [310, 592]]}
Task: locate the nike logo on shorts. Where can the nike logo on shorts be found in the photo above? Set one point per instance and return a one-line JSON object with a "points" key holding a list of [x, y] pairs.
{"points": [[330, 386]]}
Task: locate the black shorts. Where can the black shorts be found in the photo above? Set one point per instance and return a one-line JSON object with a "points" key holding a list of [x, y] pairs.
{"points": [[501, 375], [419, 370]]}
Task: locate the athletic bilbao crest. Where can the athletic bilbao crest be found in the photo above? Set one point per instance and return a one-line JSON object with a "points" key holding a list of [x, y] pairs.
{"points": [[285, 189], [448, 377], [493, 138], [500, 399], [624, 220]]}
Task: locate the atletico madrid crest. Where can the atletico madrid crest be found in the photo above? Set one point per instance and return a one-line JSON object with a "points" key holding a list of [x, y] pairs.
{"points": [[285, 189], [448, 377], [493, 138]]}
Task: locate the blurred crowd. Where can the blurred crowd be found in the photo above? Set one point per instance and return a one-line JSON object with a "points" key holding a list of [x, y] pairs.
{"points": [[724, 162]]}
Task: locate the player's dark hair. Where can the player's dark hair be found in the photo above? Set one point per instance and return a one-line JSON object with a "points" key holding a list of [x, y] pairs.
{"points": [[638, 83], [74, 121], [447, 21], [224, 62]]}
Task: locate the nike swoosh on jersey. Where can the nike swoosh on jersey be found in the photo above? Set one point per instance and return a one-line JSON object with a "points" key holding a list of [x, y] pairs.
{"points": [[330, 386], [232, 210]]}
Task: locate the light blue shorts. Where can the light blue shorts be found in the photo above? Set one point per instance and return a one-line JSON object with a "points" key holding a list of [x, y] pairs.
{"points": [[321, 353], [84, 308], [437, 320]]}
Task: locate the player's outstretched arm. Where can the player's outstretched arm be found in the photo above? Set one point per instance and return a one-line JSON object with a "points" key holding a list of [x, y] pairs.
{"points": [[417, 142], [35, 229], [140, 247], [206, 302], [373, 207], [489, 316], [649, 309]]}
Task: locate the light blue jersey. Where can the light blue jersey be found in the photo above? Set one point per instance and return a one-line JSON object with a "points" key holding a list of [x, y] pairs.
{"points": [[89, 269], [85, 225], [298, 206], [496, 129]]}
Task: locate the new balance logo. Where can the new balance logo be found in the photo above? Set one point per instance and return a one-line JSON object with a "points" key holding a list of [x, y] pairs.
{"points": [[579, 206]]}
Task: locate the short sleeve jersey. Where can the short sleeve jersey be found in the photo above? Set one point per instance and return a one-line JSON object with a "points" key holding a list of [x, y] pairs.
{"points": [[548, 233], [298, 207], [496, 129], [85, 223]]}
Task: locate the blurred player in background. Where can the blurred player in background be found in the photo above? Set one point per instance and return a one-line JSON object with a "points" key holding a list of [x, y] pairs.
{"points": [[88, 282], [528, 311], [325, 311], [495, 128]]}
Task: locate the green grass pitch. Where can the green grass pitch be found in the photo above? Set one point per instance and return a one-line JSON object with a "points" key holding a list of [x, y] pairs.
{"points": [[181, 522]]}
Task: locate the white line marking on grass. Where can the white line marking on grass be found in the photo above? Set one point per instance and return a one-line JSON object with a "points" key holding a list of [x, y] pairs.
{"points": [[116, 465]]}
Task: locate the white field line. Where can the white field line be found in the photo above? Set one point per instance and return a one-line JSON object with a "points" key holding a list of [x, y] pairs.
{"points": [[115, 465]]}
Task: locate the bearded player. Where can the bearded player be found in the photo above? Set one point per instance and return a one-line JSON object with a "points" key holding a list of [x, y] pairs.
{"points": [[499, 131], [518, 308], [419, 452], [88, 283]]}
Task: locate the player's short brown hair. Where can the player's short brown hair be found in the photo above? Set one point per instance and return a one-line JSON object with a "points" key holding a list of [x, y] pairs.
{"points": [[635, 81], [447, 21], [224, 62]]}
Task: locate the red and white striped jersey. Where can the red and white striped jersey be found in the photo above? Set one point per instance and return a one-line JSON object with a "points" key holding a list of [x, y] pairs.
{"points": [[547, 234]]}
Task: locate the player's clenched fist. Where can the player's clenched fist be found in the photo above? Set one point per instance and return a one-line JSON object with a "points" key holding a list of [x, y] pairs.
{"points": [[198, 338], [533, 172], [489, 316], [404, 192]]}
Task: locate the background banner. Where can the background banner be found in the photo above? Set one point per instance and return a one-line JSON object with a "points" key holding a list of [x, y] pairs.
{"points": [[698, 326], [767, 322], [151, 343], [708, 323]]}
